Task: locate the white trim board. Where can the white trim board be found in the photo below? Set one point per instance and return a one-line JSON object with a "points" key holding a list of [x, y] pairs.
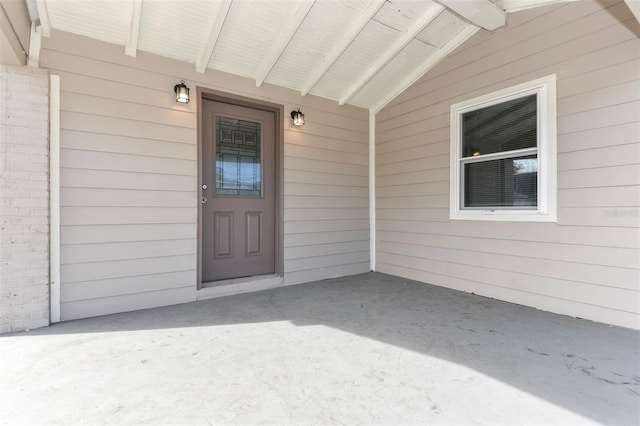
{"points": [[372, 190], [54, 197]]}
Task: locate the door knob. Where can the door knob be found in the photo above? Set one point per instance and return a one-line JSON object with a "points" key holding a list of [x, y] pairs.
{"points": [[204, 186], [204, 200]]}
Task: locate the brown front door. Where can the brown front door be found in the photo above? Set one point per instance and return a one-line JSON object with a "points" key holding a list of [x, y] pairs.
{"points": [[238, 191]]}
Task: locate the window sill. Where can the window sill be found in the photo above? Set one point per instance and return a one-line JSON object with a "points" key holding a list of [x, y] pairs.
{"points": [[504, 216]]}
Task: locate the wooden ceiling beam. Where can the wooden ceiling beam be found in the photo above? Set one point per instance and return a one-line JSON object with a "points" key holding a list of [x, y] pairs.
{"points": [[202, 62], [131, 46], [482, 13], [342, 45], [432, 12], [43, 16], [517, 5], [429, 63], [285, 38]]}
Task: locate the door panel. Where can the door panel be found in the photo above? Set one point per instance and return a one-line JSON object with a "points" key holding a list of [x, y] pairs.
{"points": [[238, 176], [254, 233], [223, 234]]}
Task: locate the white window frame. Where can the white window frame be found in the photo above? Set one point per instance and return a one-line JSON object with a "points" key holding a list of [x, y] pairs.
{"points": [[546, 211]]}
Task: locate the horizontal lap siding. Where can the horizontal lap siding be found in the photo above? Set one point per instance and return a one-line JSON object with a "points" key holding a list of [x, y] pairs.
{"points": [[586, 265], [129, 179], [326, 199]]}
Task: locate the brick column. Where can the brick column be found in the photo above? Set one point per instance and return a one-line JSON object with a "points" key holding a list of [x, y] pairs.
{"points": [[24, 198]]}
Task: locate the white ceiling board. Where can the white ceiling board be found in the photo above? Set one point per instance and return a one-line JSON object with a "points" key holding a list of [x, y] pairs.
{"points": [[216, 25], [482, 13], [106, 20], [348, 36], [288, 32], [313, 41], [409, 58], [442, 29], [245, 40], [516, 5], [359, 57], [406, 81], [432, 11], [174, 28], [361, 52], [401, 14]]}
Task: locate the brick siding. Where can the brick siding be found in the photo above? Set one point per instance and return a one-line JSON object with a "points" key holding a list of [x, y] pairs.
{"points": [[24, 198]]}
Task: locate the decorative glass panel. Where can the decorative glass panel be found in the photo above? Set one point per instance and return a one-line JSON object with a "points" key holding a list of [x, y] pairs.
{"points": [[510, 182], [238, 158]]}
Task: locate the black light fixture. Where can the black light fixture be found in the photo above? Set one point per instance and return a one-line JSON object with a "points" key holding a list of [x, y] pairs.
{"points": [[298, 117], [182, 92]]}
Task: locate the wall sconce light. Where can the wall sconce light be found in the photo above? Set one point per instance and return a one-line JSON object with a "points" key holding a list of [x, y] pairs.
{"points": [[298, 117], [182, 92]]}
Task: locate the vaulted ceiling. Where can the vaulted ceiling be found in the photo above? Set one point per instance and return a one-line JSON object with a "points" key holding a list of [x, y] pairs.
{"points": [[358, 52]]}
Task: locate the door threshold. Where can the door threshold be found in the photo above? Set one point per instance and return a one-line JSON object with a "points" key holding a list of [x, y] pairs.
{"points": [[230, 287]]}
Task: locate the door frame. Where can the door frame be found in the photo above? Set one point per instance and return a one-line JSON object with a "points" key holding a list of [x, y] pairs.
{"points": [[203, 93]]}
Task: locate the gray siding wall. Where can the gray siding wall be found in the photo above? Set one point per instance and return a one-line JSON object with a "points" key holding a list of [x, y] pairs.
{"points": [[24, 198], [586, 265], [15, 33], [129, 176]]}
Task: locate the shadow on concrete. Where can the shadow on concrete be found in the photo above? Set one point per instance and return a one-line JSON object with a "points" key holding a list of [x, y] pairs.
{"points": [[588, 368]]}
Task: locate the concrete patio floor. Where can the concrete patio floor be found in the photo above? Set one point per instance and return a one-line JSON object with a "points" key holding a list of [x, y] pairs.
{"points": [[368, 349]]}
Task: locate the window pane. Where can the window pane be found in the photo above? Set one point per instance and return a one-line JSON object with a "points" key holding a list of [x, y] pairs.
{"points": [[238, 163], [503, 127], [510, 182]]}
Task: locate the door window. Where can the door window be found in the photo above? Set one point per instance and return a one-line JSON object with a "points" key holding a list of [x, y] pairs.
{"points": [[238, 157]]}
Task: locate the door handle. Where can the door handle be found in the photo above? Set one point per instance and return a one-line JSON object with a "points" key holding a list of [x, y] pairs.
{"points": [[204, 200]]}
